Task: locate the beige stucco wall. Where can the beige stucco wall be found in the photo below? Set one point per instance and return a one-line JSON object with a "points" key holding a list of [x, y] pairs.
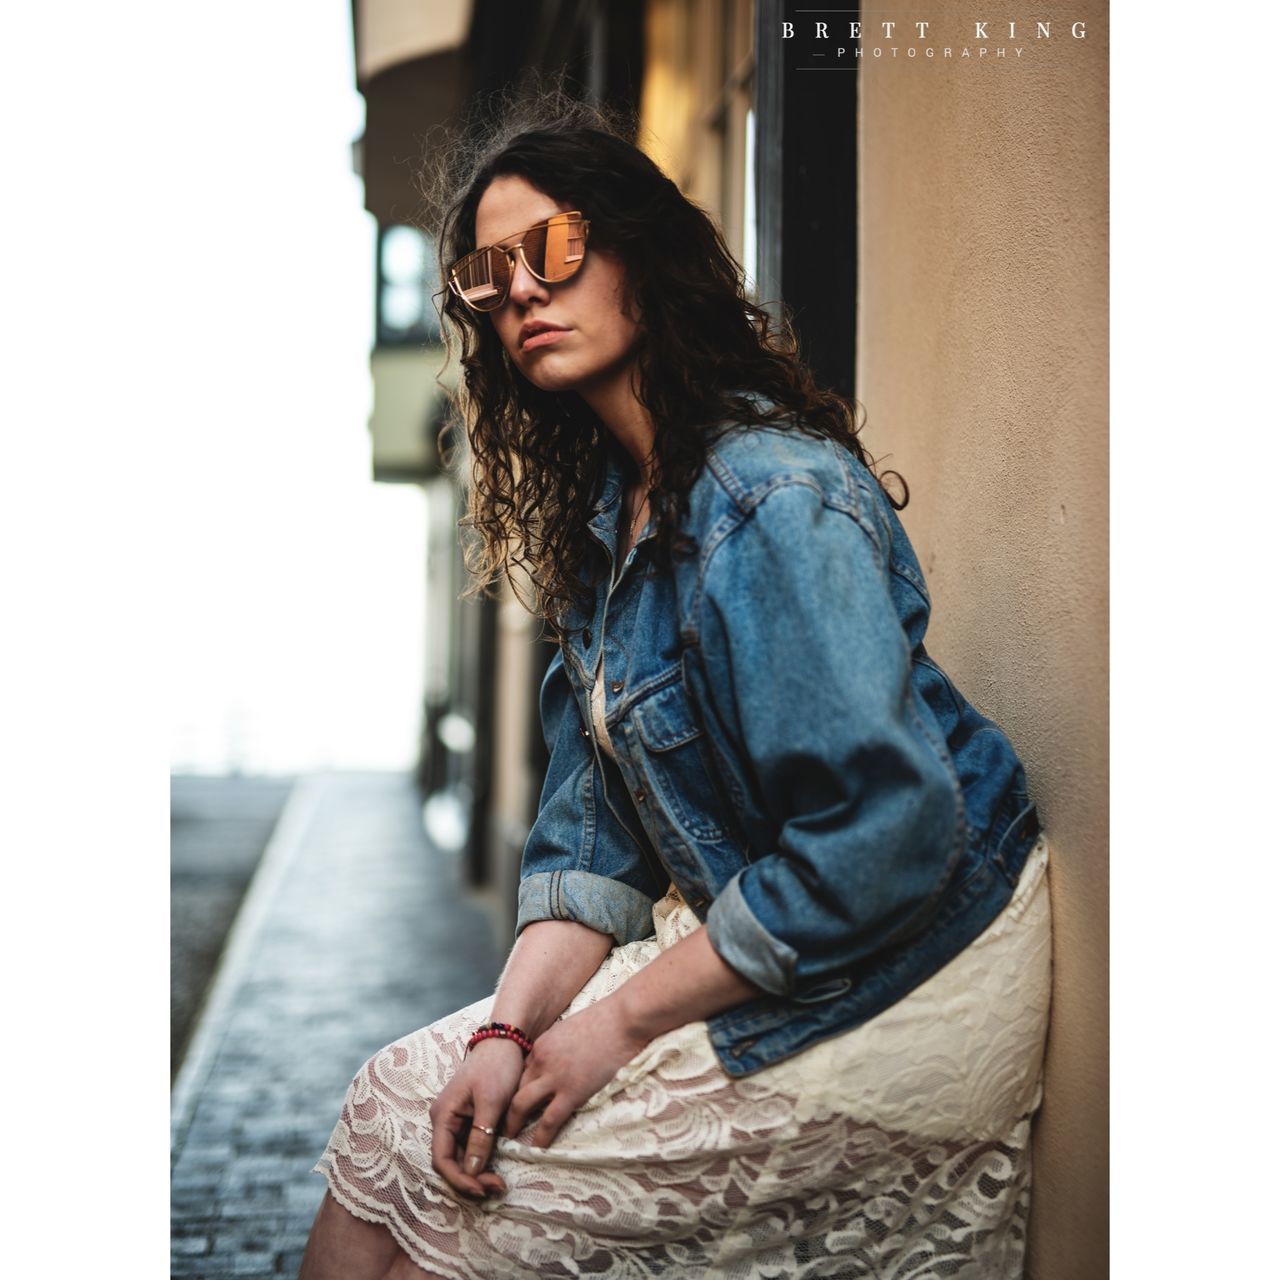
{"points": [[982, 363]]}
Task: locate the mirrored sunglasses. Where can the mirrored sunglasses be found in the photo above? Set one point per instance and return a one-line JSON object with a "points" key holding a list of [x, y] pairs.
{"points": [[552, 252]]}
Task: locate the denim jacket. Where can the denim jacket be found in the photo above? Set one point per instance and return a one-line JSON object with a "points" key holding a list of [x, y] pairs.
{"points": [[788, 754]]}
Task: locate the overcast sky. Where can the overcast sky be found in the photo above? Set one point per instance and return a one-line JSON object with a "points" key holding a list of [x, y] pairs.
{"points": [[296, 593]]}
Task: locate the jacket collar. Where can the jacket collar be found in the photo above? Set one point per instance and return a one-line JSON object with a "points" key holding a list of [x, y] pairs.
{"points": [[604, 518]]}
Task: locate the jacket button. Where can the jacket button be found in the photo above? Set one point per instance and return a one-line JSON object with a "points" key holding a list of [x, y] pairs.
{"points": [[586, 637], [640, 795], [616, 686], [582, 729]]}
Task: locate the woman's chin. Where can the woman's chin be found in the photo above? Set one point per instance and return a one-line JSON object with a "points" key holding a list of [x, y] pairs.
{"points": [[546, 377]]}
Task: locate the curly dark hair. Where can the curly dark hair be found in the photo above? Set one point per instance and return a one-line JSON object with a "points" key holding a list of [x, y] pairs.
{"points": [[537, 459]]}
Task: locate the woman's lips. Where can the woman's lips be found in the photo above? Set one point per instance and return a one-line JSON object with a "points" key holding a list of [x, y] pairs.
{"points": [[543, 339]]}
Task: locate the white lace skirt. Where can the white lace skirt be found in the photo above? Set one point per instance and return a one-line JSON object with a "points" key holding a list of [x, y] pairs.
{"points": [[899, 1149]]}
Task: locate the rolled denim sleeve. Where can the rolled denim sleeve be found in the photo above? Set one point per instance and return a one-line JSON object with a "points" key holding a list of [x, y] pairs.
{"points": [[580, 861], [809, 669]]}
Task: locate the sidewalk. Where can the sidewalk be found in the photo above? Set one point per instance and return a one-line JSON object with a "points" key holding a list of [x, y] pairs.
{"points": [[352, 933]]}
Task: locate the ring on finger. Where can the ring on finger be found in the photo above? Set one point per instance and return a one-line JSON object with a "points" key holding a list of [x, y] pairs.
{"points": [[484, 1128]]}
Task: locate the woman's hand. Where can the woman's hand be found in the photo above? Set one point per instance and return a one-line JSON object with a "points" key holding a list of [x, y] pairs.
{"points": [[546, 969], [570, 1061], [477, 1095]]}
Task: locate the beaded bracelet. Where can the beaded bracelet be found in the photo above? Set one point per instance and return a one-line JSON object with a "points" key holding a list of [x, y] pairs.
{"points": [[500, 1031]]}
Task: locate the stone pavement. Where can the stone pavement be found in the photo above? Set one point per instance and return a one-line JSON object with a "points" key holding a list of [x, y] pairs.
{"points": [[353, 933], [218, 829]]}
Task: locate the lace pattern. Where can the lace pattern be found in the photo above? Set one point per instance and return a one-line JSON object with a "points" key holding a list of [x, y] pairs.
{"points": [[899, 1150]]}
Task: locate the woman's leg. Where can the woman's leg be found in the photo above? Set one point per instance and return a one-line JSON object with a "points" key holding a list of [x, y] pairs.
{"points": [[404, 1268], [344, 1247]]}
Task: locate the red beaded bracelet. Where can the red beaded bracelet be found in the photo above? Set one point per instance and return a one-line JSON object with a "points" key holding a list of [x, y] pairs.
{"points": [[500, 1031]]}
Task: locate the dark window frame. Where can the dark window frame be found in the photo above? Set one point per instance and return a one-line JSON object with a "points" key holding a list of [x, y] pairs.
{"points": [[807, 196]]}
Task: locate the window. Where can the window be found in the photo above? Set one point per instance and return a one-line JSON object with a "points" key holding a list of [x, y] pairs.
{"points": [[407, 279]]}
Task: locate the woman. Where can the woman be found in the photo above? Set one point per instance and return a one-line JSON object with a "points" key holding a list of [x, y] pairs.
{"points": [[777, 1000]]}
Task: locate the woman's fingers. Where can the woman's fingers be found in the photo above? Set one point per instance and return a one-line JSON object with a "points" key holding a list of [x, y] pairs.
{"points": [[484, 1132], [553, 1118], [447, 1131], [460, 1153], [528, 1098]]}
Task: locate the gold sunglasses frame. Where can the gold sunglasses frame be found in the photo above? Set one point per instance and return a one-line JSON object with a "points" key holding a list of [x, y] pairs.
{"points": [[510, 254]]}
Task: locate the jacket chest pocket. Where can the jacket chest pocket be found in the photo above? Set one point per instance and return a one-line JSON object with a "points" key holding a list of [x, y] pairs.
{"points": [[676, 765]]}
